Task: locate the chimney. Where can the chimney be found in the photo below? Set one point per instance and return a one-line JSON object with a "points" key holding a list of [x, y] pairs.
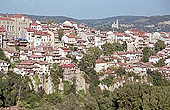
{"points": [[7, 15]]}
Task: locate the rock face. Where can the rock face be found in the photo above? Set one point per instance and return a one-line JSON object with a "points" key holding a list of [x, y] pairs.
{"points": [[76, 75], [48, 85], [121, 82], [80, 83], [45, 83]]}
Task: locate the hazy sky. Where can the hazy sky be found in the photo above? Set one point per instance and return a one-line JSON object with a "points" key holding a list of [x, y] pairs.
{"points": [[86, 8]]}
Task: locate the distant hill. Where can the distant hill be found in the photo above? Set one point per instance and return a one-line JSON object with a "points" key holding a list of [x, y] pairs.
{"points": [[90, 22], [58, 19], [137, 21]]}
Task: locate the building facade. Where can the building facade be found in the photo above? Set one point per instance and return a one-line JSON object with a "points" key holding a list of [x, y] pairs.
{"points": [[9, 25], [20, 22]]}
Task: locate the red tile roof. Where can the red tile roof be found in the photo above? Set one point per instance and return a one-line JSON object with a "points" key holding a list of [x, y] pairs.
{"points": [[68, 65], [6, 18], [42, 33], [73, 22], [36, 56], [110, 71], [71, 36], [2, 61], [18, 16], [27, 62], [65, 49], [2, 29], [126, 35], [100, 61], [29, 29], [34, 24]]}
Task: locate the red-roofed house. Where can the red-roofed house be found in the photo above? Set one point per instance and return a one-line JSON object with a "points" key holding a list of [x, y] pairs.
{"points": [[37, 57], [70, 24], [42, 38], [69, 39], [63, 51], [69, 71], [101, 65], [8, 24], [20, 23], [28, 34], [36, 26]]}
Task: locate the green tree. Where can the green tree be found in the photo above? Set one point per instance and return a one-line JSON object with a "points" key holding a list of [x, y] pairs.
{"points": [[95, 51], [89, 59], [147, 52], [160, 45], [120, 71], [105, 103], [2, 56], [51, 21], [124, 46], [90, 103], [141, 97], [13, 89], [157, 78], [60, 34], [160, 63], [110, 48], [17, 48]]}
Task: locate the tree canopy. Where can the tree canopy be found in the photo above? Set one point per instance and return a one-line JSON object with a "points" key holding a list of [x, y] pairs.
{"points": [[60, 34], [147, 52], [51, 21], [109, 48], [160, 45], [141, 97]]}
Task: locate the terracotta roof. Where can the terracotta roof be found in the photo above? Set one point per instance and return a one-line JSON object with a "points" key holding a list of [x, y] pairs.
{"points": [[73, 22], [100, 61], [23, 53], [110, 71], [28, 67], [42, 63], [129, 52], [81, 40], [154, 56], [29, 29], [42, 33], [27, 62], [134, 30], [34, 24], [2, 61], [68, 65], [2, 29], [126, 35], [65, 49], [18, 16], [26, 48], [71, 36], [6, 18], [36, 56], [122, 64]]}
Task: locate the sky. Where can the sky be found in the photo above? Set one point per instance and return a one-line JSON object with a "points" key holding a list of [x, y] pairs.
{"points": [[85, 9]]}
